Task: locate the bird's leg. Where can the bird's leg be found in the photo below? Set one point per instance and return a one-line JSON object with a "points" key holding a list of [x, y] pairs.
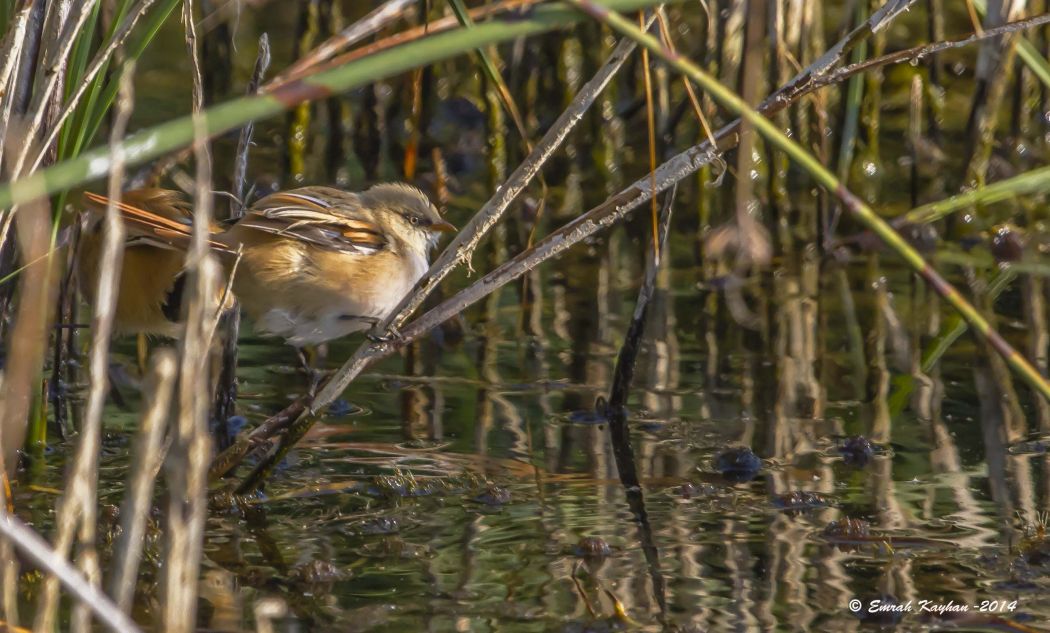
{"points": [[142, 352], [306, 358]]}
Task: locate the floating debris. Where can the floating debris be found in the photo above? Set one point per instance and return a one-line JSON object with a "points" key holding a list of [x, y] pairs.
{"points": [[856, 451], [1008, 243], [592, 547], [493, 496], [738, 464], [318, 572], [342, 408], [848, 529], [798, 500]]}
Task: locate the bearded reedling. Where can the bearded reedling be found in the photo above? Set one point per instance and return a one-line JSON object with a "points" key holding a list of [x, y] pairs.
{"points": [[316, 263]]}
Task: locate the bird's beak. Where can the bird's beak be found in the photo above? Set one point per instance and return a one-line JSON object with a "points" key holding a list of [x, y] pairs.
{"points": [[443, 227]]}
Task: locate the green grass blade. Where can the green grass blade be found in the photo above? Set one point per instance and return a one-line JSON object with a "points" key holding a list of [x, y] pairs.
{"points": [[1035, 181]]}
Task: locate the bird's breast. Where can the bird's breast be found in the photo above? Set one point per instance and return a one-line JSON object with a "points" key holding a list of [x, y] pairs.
{"points": [[337, 294]]}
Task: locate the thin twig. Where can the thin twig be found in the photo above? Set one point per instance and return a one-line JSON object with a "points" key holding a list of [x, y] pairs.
{"points": [[244, 141], [430, 28], [920, 52], [226, 389], [371, 23], [623, 375]]}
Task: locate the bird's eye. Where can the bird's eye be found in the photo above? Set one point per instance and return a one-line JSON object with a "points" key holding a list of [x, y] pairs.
{"points": [[413, 220]]}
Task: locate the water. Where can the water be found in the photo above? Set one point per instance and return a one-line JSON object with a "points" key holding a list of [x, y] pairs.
{"points": [[451, 489]]}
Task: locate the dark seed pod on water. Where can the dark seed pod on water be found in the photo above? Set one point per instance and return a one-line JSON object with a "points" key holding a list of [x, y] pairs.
{"points": [[857, 450], [493, 496], [318, 572], [738, 464], [592, 547], [848, 529]]}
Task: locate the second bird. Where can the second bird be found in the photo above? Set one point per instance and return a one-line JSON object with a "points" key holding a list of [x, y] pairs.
{"points": [[316, 263]]}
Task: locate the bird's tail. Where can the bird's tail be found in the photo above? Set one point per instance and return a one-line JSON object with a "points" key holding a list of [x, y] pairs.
{"points": [[157, 216]]}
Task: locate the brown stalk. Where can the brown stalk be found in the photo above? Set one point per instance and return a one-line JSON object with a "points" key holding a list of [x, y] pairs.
{"points": [[186, 468], [25, 358], [12, 53], [36, 548], [101, 58], [149, 455], [61, 31], [79, 505], [368, 25], [226, 391], [27, 343]]}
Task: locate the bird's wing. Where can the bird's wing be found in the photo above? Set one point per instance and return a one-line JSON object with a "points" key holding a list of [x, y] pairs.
{"points": [[310, 218]]}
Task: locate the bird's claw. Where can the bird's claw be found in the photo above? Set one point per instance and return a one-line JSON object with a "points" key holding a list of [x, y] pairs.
{"points": [[390, 335]]}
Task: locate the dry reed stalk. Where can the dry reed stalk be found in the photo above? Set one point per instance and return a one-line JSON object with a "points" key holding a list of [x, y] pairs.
{"points": [[79, 506], [102, 329], [101, 58], [12, 53], [226, 391], [36, 548], [368, 25], [462, 247], [187, 464], [60, 40], [27, 343], [149, 455]]}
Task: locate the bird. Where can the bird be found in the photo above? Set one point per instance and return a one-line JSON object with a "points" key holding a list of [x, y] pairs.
{"points": [[309, 265], [149, 292]]}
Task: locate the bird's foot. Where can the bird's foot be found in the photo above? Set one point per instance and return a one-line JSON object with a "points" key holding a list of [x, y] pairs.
{"points": [[390, 335]]}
